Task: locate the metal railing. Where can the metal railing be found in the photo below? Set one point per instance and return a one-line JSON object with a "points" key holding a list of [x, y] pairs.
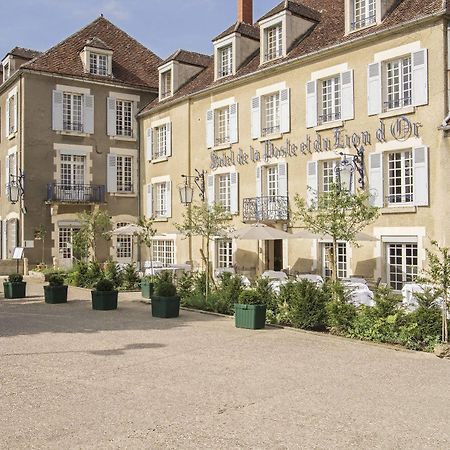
{"points": [[366, 21], [221, 140], [73, 126], [397, 103], [75, 193], [399, 199], [265, 209], [325, 118], [270, 130]]}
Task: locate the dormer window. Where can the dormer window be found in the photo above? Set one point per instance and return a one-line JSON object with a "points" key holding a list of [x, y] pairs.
{"points": [[273, 42], [364, 13], [225, 55], [98, 64], [166, 84], [6, 71]]}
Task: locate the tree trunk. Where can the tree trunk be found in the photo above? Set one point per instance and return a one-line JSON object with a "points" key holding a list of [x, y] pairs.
{"points": [[444, 318], [207, 270], [334, 274]]}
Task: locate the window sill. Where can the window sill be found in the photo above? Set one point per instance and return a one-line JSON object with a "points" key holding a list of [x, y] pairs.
{"points": [[159, 160], [12, 136], [123, 138], [362, 28], [125, 195], [398, 112], [271, 137], [222, 146], [330, 125], [72, 133], [161, 219], [398, 210]]}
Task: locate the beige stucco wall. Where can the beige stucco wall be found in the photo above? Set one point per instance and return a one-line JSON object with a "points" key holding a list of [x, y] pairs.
{"points": [[429, 222]]}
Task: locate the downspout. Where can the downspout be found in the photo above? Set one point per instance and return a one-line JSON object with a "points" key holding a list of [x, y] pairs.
{"points": [[139, 187], [189, 172]]}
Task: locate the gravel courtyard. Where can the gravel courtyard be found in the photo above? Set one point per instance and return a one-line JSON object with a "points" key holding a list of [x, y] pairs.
{"points": [[76, 378]]}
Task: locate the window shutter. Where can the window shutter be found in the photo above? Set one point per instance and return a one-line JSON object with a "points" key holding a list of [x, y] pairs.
{"points": [[5, 240], [57, 113], [347, 95], [256, 117], [233, 111], [211, 190], [15, 113], [169, 198], [112, 173], [1, 239], [282, 179], [420, 77], [234, 191], [420, 158], [169, 139], [258, 181], [111, 116], [210, 128], [312, 178], [374, 89], [7, 119], [7, 178], [149, 203], [311, 104], [285, 111], [16, 232], [14, 170], [89, 114], [376, 182], [149, 144]]}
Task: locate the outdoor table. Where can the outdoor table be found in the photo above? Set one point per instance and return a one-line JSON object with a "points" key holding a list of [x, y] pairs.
{"points": [[314, 278], [359, 293]]}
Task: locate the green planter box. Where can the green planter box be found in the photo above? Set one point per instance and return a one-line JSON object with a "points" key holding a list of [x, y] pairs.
{"points": [[252, 317], [104, 300], [146, 289], [55, 294], [15, 290], [165, 307]]}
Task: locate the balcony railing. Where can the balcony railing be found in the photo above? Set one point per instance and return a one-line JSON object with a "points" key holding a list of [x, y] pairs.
{"points": [[399, 199], [366, 21], [331, 117], [397, 103], [266, 209], [73, 126], [75, 193], [221, 140], [271, 130]]}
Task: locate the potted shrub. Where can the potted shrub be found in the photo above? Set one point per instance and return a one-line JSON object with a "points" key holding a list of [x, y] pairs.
{"points": [[15, 287], [56, 291], [165, 302], [250, 311], [104, 296], [147, 286]]}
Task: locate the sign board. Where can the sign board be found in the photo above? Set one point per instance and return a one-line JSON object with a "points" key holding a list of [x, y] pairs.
{"points": [[28, 244], [18, 253]]}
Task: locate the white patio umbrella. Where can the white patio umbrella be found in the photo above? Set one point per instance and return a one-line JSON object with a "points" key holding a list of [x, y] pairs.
{"points": [[128, 230], [259, 232]]}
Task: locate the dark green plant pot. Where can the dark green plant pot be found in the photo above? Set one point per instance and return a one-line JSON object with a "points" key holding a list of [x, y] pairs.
{"points": [[55, 294], [252, 317], [15, 290], [165, 307], [146, 289], [104, 300]]}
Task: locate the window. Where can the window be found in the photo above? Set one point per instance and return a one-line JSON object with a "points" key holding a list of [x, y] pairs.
{"points": [[160, 145], [224, 253], [402, 264], [225, 65], [124, 121], [330, 104], [11, 112], [224, 190], [98, 64], [72, 112], [72, 170], [6, 71], [329, 175], [222, 126], [341, 260], [124, 245], [364, 14], [400, 178], [124, 173], [271, 114], [65, 239], [273, 41], [164, 252], [398, 83], [160, 200], [272, 181], [166, 84]]}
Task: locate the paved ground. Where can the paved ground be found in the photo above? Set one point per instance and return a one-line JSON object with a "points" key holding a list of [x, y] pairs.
{"points": [[76, 378]]}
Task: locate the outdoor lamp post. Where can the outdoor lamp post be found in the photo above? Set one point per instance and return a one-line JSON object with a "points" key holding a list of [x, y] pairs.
{"points": [[15, 188], [347, 167], [187, 191]]}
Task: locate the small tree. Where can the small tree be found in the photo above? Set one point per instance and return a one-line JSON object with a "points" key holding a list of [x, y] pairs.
{"points": [[337, 213], [94, 225], [208, 222], [146, 235], [438, 275]]}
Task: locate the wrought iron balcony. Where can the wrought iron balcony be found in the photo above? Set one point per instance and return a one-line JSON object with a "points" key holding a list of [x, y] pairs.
{"points": [[266, 209], [270, 130], [399, 200], [397, 103], [73, 126], [221, 140], [331, 117], [75, 193]]}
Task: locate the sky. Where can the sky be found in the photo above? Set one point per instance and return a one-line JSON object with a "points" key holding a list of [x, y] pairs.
{"points": [[163, 26]]}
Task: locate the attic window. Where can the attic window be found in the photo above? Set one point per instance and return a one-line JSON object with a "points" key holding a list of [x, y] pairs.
{"points": [[225, 61], [166, 84], [6, 71], [364, 13], [273, 42], [98, 64]]}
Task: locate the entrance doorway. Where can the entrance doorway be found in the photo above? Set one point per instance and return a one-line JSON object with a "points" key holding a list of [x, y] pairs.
{"points": [[274, 255]]}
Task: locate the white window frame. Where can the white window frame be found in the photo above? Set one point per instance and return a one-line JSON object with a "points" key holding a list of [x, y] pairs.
{"points": [[125, 171], [273, 41], [363, 14], [123, 245], [223, 190], [399, 178], [342, 260], [94, 65], [166, 84], [270, 114], [330, 99], [124, 118], [71, 111], [160, 200], [397, 95], [407, 272], [222, 126], [160, 141], [224, 252], [163, 251], [225, 60]]}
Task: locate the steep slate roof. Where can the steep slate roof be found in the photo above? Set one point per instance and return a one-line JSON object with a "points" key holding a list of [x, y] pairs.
{"points": [[24, 53], [298, 9], [95, 42], [329, 32], [243, 28], [191, 58], [132, 63]]}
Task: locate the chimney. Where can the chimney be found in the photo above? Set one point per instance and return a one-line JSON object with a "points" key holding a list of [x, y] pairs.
{"points": [[245, 11]]}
